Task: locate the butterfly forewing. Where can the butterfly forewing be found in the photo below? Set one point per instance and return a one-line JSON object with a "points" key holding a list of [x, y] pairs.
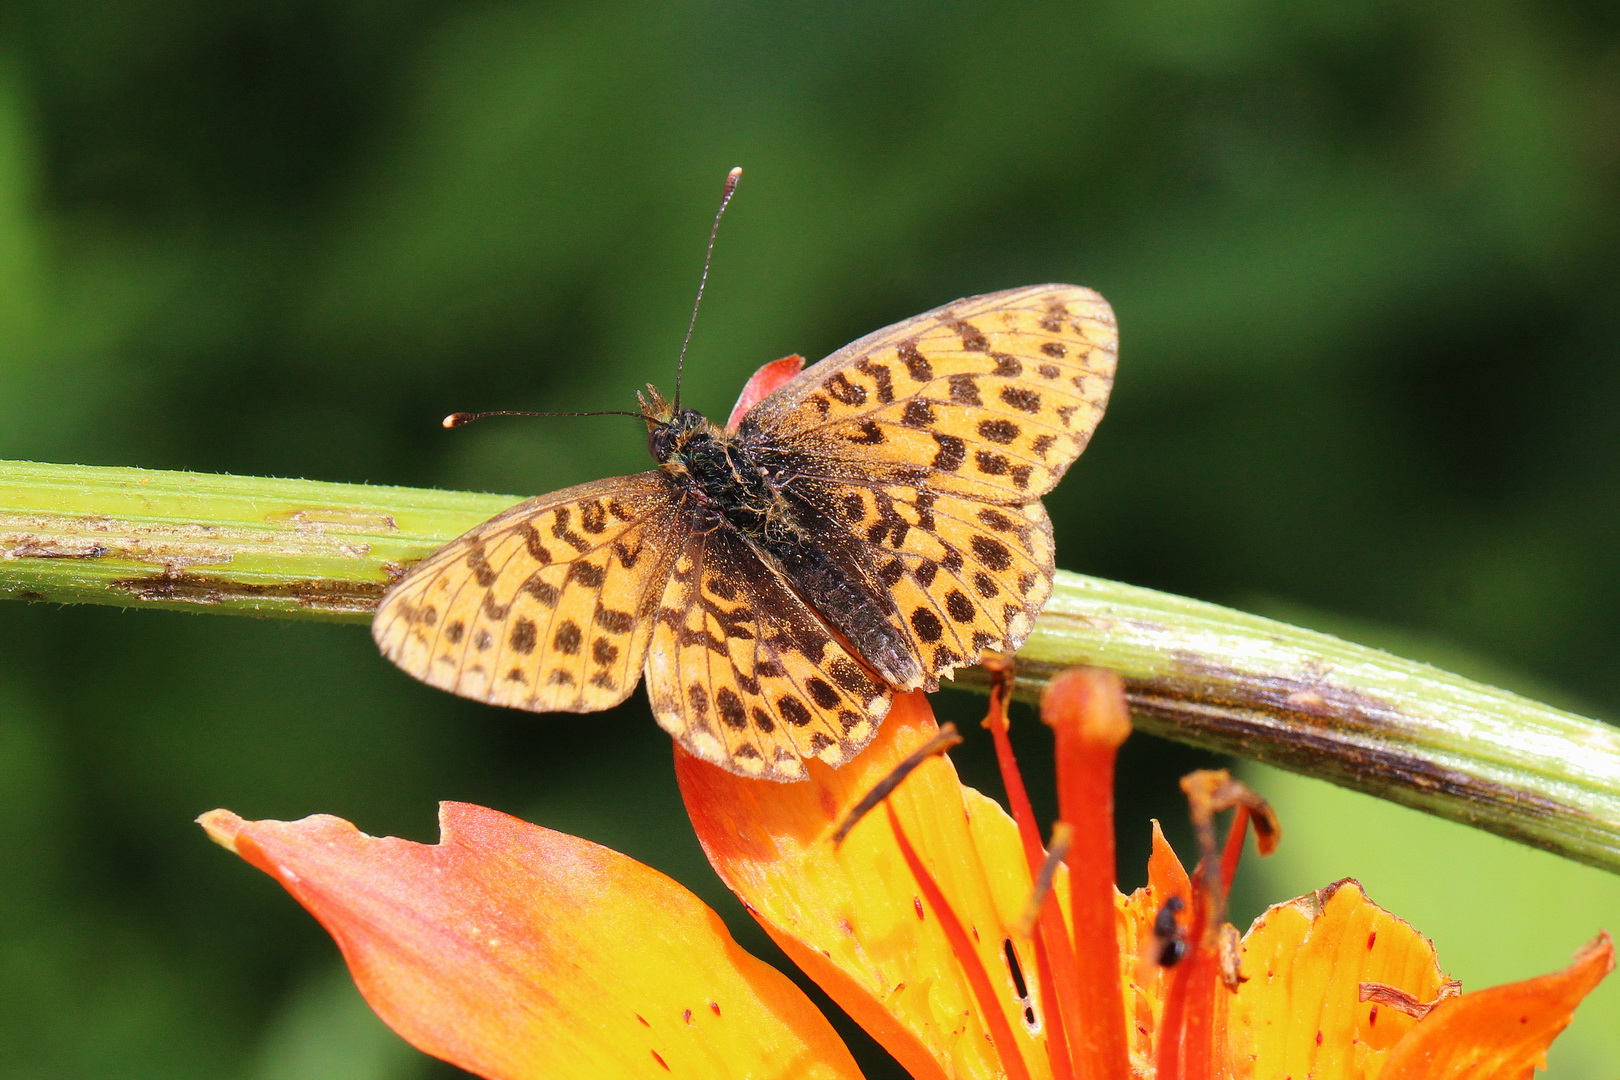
{"points": [[546, 607], [743, 673], [992, 397]]}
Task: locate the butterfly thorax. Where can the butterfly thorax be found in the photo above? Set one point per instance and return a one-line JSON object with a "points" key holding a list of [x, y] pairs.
{"points": [[723, 480]]}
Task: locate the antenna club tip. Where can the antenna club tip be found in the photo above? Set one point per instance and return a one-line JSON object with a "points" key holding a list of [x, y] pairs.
{"points": [[731, 179], [454, 420]]}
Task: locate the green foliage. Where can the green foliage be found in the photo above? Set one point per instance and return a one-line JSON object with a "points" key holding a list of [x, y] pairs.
{"points": [[1362, 254]]}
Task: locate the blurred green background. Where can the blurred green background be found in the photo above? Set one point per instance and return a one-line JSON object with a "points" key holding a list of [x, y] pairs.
{"points": [[1364, 256]]}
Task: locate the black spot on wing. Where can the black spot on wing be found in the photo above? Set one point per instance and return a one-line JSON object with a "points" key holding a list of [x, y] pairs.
{"points": [[964, 390], [917, 365], [546, 593], [587, 574], [560, 529], [952, 452], [1021, 398], [614, 622], [478, 563], [973, 339], [1000, 432], [918, 414], [793, 711], [868, 434], [730, 706], [991, 552], [850, 393], [927, 625], [593, 517], [821, 692], [522, 636], [532, 542], [882, 379]]}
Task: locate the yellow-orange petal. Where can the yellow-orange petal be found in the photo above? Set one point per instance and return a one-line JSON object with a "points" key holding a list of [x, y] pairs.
{"points": [[854, 918], [1501, 1033], [1300, 1013], [520, 953]]}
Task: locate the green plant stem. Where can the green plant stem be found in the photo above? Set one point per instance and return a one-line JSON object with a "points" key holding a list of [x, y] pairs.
{"points": [[1197, 673]]}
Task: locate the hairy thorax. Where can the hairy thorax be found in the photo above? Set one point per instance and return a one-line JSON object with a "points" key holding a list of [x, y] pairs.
{"points": [[724, 481]]}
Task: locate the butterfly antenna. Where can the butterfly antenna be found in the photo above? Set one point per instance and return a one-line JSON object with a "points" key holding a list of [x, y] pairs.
{"points": [[459, 419], [725, 199]]}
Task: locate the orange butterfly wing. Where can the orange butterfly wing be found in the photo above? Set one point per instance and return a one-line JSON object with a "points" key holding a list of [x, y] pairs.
{"points": [[994, 395], [744, 674], [547, 606], [924, 448]]}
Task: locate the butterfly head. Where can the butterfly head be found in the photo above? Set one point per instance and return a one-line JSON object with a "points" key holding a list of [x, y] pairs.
{"points": [[670, 430]]}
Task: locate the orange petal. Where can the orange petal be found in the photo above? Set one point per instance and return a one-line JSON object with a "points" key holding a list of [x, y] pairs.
{"points": [[1300, 1013], [1146, 981], [854, 918], [1501, 1033], [517, 952], [761, 383]]}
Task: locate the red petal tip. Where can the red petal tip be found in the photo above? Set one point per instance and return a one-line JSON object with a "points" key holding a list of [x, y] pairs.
{"points": [[761, 383], [222, 827]]}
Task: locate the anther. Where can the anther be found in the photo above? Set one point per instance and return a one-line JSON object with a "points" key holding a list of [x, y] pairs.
{"points": [[1056, 852], [941, 742]]}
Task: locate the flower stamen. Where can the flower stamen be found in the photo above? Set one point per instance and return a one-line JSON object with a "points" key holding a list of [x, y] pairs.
{"points": [[939, 744], [1187, 1048], [990, 1007], [1054, 953], [1062, 840], [1086, 709]]}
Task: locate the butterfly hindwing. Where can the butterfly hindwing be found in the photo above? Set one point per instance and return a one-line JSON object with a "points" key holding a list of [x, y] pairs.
{"points": [[744, 674], [992, 397], [964, 576], [545, 607]]}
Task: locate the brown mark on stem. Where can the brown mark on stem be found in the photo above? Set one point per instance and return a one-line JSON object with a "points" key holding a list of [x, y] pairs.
{"points": [[39, 547], [319, 594]]}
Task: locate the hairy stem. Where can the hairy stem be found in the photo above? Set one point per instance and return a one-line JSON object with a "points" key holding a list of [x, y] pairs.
{"points": [[1196, 672]]}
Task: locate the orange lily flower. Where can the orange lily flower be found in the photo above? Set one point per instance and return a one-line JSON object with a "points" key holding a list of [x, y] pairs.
{"points": [[938, 921]]}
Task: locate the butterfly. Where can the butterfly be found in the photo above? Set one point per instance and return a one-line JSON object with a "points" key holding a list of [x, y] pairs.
{"points": [[867, 526]]}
